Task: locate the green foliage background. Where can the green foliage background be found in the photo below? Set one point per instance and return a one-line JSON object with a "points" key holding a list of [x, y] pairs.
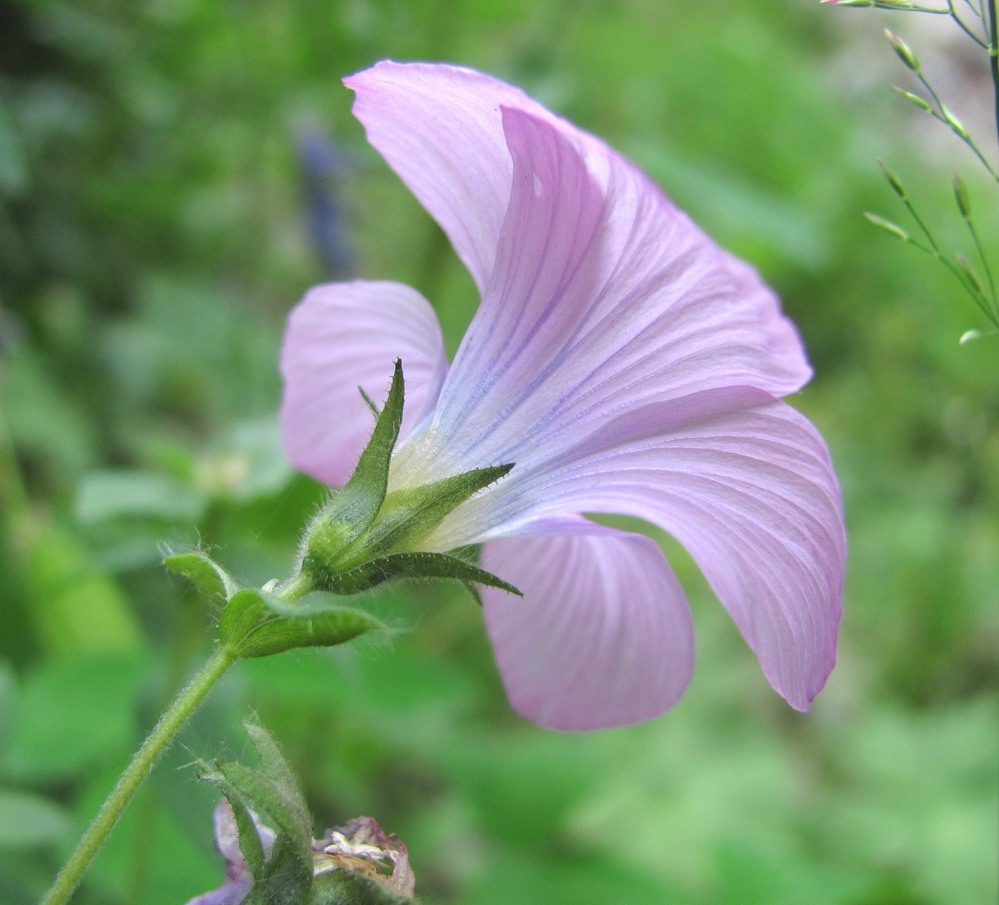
{"points": [[152, 240]]}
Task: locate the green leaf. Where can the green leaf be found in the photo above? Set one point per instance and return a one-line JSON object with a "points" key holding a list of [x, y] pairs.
{"points": [[75, 605], [203, 572], [247, 463], [134, 493], [14, 171], [88, 700], [255, 623]]}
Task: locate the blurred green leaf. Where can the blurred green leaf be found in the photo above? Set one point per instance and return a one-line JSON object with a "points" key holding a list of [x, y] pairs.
{"points": [[595, 880], [249, 462], [74, 714], [43, 419], [132, 493], [523, 788], [28, 820], [14, 176], [75, 605], [8, 690]]}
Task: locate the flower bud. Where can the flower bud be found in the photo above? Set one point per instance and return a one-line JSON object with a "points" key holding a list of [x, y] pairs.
{"points": [[904, 51], [961, 197], [888, 226], [893, 180]]}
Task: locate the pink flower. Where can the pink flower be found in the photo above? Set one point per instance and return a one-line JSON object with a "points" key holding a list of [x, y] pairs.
{"points": [[624, 363]]}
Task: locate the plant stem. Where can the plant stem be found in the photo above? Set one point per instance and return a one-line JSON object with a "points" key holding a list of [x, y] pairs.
{"points": [[145, 758], [993, 28]]}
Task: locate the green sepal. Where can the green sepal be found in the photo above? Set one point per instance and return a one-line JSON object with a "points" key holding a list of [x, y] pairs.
{"points": [[412, 565], [250, 845], [354, 507], [412, 513], [272, 791], [287, 874], [473, 589], [342, 887], [365, 535], [203, 572], [256, 623], [405, 517], [282, 883], [370, 403]]}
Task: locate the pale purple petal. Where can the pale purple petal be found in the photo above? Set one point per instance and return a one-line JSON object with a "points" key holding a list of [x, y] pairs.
{"points": [[343, 336], [239, 881], [750, 492], [604, 297], [439, 128], [232, 892], [227, 836], [602, 636]]}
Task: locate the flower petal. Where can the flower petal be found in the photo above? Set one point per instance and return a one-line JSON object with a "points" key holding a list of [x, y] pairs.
{"points": [[602, 636], [232, 892], [343, 336], [750, 492], [604, 297], [439, 128], [238, 881]]}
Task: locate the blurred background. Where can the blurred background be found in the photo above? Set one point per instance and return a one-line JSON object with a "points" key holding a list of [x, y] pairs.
{"points": [[175, 173]]}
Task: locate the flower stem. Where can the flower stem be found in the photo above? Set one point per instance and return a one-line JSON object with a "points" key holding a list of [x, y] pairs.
{"points": [[993, 36], [145, 758]]}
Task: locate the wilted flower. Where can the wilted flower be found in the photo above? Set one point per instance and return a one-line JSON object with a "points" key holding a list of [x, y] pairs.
{"points": [[623, 363], [362, 847]]}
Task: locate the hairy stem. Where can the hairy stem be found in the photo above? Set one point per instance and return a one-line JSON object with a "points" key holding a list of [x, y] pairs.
{"points": [[145, 758]]}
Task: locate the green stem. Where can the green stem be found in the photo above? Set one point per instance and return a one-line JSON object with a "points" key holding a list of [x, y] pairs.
{"points": [[956, 16], [184, 648], [145, 758], [993, 28]]}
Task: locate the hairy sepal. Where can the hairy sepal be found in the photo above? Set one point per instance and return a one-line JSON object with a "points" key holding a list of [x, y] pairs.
{"points": [[285, 878]]}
